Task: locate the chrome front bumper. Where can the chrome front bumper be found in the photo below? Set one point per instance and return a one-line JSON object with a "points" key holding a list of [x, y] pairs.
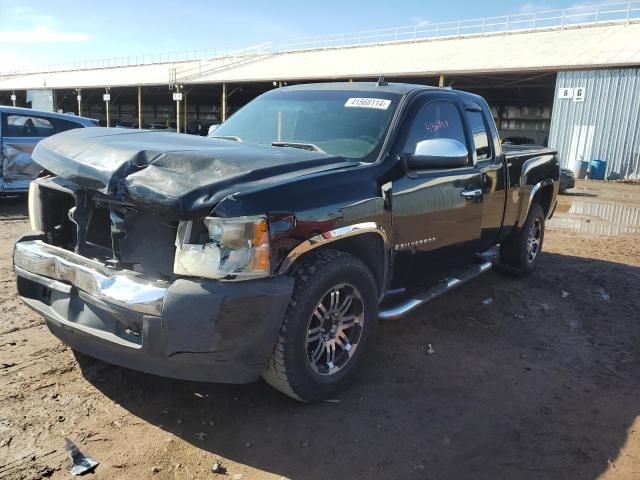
{"points": [[60, 269], [191, 328]]}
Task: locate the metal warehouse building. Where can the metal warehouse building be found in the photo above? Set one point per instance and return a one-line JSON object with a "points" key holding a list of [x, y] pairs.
{"points": [[567, 78], [603, 124]]}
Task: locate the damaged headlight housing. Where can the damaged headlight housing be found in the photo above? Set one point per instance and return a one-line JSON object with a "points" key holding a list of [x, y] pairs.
{"points": [[35, 207], [234, 249]]}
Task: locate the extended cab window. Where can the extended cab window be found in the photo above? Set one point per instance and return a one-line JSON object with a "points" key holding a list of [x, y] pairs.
{"points": [[28, 126], [439, 119], [480, 135], [64, 125]]}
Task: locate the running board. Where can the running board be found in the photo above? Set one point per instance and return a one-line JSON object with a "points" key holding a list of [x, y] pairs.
{"points": [[400, 310]]}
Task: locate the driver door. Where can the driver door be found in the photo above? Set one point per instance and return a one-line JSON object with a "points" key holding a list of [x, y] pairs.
{"points": [[437, 212]]}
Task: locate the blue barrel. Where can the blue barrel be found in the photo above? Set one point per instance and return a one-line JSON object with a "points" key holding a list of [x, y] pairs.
{"points": [[597, 169]]}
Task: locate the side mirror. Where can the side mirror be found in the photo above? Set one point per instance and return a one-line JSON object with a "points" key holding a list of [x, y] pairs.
{"points": [[438, 153]]}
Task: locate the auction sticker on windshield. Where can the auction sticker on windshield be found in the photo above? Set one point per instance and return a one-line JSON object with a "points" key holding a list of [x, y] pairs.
{"points": [[379, 103]]}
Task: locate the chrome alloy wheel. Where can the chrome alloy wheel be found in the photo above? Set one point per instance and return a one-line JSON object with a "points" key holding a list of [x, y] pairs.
{"points": [[334, 329], [533, 240]]}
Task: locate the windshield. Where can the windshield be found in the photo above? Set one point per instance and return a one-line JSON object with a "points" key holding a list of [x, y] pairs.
{"points": [[349, 124]]}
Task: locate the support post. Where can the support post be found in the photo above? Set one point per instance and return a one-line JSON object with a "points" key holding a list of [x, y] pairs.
{"points": [[177, 110], [184, 116], [223, 107], [139, 107], [79, 98], [107, 101], [441, 81]]}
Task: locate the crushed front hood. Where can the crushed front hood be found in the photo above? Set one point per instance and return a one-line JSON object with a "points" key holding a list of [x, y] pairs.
{"points": [[175, 174]]}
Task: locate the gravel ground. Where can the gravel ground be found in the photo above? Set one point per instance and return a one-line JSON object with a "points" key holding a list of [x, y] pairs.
{"points": [[541, 382]]}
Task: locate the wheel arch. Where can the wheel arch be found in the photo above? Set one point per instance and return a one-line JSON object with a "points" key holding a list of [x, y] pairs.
{"points": [[544, 193], [544, 196], [539, 182], [366, 241]]}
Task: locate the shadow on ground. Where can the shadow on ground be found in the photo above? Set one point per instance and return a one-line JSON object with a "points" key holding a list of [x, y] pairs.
{"points": [[539, 383], [13, 207]]}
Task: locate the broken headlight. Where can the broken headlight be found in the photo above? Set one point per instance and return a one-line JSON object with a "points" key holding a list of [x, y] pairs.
{"points": [[231, 249]]}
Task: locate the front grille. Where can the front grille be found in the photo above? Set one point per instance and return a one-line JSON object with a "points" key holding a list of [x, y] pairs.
{"points": [[102, 228]]}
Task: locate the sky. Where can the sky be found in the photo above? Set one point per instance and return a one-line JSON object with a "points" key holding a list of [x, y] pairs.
{"points": [[45, 32]]}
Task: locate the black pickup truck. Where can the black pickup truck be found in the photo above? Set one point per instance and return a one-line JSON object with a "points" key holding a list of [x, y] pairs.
{"points": [[273, 248]]}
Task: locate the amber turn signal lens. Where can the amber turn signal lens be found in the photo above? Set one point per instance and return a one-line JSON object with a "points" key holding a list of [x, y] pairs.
{"points": [[260, 260], [260, 233]]}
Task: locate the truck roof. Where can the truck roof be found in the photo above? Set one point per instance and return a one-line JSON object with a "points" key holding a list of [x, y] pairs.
{"points": [[62, 116], [389, 87]]}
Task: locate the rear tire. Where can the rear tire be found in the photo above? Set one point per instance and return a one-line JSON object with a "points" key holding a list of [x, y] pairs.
{"points": [[327, 328], [520, 253]]}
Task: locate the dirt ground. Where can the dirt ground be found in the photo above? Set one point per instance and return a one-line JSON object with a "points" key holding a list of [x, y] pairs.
{"points": [[528, 378]]}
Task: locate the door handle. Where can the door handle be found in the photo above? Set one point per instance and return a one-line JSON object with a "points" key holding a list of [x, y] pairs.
{"points": [[471, 194]]}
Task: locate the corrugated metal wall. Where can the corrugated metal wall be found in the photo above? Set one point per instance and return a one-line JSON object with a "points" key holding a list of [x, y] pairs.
{"points": [[603, 126]]}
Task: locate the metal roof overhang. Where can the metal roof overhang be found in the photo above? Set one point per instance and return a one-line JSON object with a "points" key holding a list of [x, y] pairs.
{"points": [[571, 48]]}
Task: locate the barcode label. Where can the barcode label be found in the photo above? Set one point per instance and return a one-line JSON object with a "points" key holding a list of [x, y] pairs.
{"points": [[379, 103]]}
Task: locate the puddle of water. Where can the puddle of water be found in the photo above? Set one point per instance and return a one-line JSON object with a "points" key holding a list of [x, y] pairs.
{"points": [[596, 217]]}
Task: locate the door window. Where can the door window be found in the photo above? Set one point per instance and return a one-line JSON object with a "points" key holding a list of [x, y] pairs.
{"points": [[480, 136], [439, 119], [28, 126]]}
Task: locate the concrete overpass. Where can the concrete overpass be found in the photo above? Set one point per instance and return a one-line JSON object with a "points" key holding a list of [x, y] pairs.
{"points": [[589, 45]]}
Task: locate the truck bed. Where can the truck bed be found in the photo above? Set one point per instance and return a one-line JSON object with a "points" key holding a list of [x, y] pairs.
{"points": [[526, 150]]}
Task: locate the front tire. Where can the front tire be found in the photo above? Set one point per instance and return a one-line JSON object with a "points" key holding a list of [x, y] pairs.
{"points": [[521, 252], [327, 327]]}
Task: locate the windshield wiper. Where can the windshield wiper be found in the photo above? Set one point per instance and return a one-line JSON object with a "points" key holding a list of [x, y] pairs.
{"points": [[227, 137], [303, 146]]}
